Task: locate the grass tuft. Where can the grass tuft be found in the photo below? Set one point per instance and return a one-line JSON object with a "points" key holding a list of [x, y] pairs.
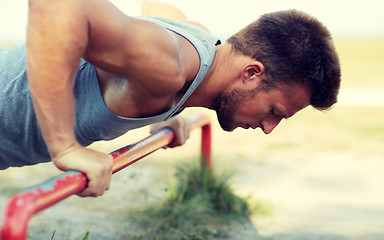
{"points": [[200, 205]]}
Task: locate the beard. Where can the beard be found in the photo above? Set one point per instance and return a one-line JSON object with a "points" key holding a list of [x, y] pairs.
{"points": [[226, 105]]}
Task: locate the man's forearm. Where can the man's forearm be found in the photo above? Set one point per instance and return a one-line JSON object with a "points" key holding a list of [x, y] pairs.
{"points": [[56, 40]]}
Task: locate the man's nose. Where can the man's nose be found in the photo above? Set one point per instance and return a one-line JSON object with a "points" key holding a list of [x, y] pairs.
{"points": [[268, 124]]}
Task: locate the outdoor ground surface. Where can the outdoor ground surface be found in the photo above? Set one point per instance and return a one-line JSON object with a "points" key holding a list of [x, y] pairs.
{"points": [[321, 173]]}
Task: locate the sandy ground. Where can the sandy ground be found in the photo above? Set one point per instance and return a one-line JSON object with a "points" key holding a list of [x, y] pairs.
{"points": [[329, 197], [325, 195]]}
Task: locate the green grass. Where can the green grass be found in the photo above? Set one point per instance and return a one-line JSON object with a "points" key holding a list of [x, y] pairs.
{"points": [[200, 205], [83, 236]]}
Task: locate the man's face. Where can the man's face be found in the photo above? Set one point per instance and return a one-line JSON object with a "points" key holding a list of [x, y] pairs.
{"points": [[260, 108]]}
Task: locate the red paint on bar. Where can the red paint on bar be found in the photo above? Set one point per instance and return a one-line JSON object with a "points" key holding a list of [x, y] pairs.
{"points": [[24, 204]]}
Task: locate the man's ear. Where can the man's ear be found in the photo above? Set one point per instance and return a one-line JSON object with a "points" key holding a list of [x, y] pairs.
{"points": [[253, 70]]}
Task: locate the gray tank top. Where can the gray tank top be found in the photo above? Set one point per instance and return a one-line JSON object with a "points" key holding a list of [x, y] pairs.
{"points": [[21, 142]]}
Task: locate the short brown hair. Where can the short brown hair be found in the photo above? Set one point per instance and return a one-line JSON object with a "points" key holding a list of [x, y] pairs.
{"points": [[294, 47]]}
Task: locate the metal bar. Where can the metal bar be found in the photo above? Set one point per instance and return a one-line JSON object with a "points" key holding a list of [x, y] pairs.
{"points": [[24, 204], [206, 138], [206, 146]]}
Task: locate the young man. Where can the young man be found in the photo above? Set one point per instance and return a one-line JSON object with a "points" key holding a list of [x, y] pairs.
{"points": [[95, 73]]}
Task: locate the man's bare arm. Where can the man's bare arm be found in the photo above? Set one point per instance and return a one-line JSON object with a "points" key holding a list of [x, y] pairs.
{"points": [[54, 48], [57, 38], [62, 32]]}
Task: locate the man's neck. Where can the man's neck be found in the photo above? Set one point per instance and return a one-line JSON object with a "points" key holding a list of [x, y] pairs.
{"points": [[218, 79]]}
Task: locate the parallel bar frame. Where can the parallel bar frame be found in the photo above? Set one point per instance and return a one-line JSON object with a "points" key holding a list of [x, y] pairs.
{"points": [[23, 205]]}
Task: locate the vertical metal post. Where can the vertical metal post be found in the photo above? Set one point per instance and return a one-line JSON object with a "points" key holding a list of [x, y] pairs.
{"points": [[206, 146]]}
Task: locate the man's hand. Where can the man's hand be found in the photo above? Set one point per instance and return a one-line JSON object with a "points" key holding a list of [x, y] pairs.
{"points": [[95, 165], [181, 127]]}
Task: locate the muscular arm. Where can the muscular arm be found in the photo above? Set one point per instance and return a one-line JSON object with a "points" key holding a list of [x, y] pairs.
{"points": [[56, 40], [57, 37], [59, 34]]}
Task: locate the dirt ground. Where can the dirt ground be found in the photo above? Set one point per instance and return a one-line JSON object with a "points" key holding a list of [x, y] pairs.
{"points": [[330, 197]]}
